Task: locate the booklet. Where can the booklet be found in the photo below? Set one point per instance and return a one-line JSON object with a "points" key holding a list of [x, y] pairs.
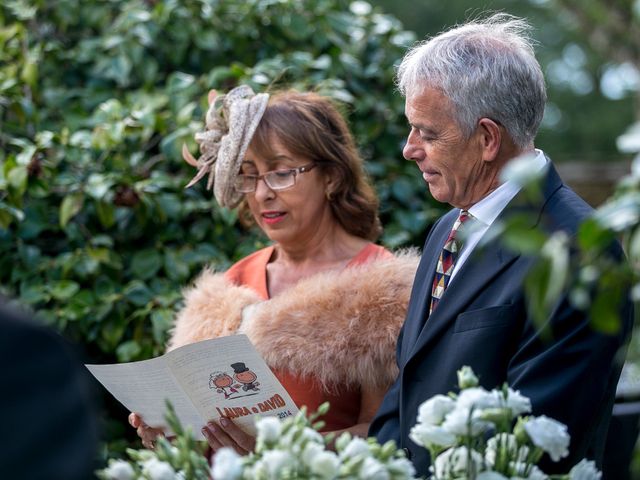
{"points": [[223, 376]]}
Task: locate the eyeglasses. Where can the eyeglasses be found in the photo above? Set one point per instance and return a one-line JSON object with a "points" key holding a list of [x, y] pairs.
{"points": [[275, 180]]}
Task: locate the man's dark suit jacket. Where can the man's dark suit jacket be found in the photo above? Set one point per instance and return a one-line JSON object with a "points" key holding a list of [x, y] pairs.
{"points": [[47, 425], [482, 321]]}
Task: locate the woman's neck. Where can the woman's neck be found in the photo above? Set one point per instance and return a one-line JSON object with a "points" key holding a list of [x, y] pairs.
{"points": [[329, 247], [288, 266]]}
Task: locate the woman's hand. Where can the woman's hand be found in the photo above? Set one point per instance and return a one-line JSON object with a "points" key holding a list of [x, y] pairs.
{"points": [[225, 433], [146, 433]]}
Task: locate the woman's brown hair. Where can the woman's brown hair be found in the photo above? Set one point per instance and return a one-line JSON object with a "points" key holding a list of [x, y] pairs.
{"points": [[309, 125]]}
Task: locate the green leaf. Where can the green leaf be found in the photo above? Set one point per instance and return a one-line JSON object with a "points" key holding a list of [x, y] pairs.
{"points": [[17, 178], [162, 321], [175, 267], [63, 289], [128, 351], [33, 294], [138, 293], [106, 213], [146, 263], [70, 207]]}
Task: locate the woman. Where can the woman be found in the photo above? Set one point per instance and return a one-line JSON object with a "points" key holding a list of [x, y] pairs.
{"points": [[323, 304]]}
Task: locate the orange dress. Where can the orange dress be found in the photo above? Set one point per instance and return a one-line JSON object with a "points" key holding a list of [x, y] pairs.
{"points": [[344, 402]]}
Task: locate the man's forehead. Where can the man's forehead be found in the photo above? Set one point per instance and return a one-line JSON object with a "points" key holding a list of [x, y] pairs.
{"points": [[426, 101]]}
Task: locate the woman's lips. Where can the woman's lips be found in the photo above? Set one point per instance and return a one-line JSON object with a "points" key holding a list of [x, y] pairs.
{"points": [[271, 218]]}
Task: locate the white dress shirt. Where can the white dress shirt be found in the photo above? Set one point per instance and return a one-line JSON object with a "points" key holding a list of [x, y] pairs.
{"points": [[487, 210]]}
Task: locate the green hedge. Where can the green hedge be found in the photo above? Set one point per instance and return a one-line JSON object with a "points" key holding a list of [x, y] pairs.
{"points": [[97, 233]]}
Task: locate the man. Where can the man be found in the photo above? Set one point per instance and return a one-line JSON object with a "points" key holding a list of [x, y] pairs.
{"points": [[475, 97], [48, 425]]}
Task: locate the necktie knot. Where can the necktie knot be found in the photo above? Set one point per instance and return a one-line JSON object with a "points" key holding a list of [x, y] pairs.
{"points": [[453, 242]]}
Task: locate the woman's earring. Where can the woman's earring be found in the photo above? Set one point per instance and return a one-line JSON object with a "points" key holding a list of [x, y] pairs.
{"points": [[328, 194]]}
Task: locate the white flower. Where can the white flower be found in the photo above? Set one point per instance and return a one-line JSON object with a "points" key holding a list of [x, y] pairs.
{"points": [[295, 439], [426, 435], [119, 470], [454, 463], [325, 465], [434, 410], [462, 421], [585, 470], [311, 435], [550, 435], [478, 398], [401, 468], [357, 446], [508, 445], [276, 461], [227, 465], [521, 469], [466, 377], [517, 402], [311, 450], [490, 475], [269, 429], [536, 474], [372, 469], [158, 470]]}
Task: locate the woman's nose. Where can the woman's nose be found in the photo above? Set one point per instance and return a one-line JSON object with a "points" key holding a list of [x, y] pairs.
{"points": [[263, 191]]}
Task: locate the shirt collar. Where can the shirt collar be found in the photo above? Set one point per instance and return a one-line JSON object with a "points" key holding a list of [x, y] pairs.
{"points": [[488, 209]]}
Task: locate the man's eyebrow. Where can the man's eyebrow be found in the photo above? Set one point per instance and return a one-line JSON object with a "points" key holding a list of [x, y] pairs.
{"points": [[422, 127]]}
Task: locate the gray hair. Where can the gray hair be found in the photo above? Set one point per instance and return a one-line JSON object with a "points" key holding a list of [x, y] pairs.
{"points": [[487, 68]]}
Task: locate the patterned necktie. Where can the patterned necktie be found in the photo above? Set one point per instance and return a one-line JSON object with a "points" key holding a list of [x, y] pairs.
{"points": [[447, 261]]}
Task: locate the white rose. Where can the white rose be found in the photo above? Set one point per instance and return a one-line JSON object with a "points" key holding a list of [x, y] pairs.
{"points": [[585, 470], [325, 465], [311, 451], [550, 435], [461, 422], [357, 446], [477, 398], [269, 429], [454, 463], [490, 475], [426, 435], [517, 402], [119, 470], [276, 461], [401, 469], [466, 377], [372, 469], [434, 410], [158, 470], [227, 465], [311, 435], [527, 471]]}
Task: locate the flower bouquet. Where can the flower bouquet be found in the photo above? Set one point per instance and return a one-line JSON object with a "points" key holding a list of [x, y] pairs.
{"points": [[473, 435], [293, 449], [483, 435]]}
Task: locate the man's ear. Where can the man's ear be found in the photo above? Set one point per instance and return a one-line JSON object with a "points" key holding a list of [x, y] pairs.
{"points": [[491, 138]]}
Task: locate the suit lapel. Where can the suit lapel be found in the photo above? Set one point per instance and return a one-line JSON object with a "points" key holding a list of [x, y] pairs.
{"points": [[421, 296], [482, 267]]}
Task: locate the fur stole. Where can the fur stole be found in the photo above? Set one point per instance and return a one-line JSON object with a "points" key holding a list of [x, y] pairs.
{"points": [[339, 327]]}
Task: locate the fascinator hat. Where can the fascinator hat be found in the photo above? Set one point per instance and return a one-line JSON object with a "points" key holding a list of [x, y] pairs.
{"points": [[230, 124]]}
